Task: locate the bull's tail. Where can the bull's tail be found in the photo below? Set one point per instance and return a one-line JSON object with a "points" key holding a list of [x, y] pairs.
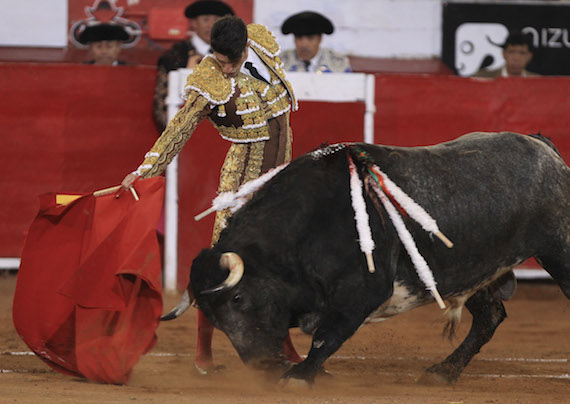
{"points": [[180, 308], [453, 317]]}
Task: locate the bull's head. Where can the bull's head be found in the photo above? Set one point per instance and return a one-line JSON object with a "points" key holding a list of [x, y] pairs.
{"points": [[251, 309]]}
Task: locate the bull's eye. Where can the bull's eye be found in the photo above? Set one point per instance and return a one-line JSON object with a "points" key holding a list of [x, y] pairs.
{"points": [[237, 298]]}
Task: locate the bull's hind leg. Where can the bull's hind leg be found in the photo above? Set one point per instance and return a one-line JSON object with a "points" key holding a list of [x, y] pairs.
{"points": [[488, 312]]}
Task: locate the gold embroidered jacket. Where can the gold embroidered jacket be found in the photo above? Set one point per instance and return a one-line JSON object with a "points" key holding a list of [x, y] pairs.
{"points": [[239, 107]]}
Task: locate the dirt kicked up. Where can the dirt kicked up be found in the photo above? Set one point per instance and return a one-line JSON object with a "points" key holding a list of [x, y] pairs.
{"points": [[527, 361]]}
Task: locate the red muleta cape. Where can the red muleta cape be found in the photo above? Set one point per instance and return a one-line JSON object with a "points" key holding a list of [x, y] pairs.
{"points": [[88, 296]]}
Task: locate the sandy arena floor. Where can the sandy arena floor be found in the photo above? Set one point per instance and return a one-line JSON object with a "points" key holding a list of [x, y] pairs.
{"points": [[527, 361]]}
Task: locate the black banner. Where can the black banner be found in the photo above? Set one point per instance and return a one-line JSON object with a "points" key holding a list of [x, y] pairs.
{"points": [[473, 33]]}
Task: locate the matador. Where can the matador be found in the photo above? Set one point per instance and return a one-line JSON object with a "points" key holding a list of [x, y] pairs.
{"points": [[249, 109]]}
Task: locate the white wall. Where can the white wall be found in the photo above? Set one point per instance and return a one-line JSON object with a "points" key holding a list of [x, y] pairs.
{"points": [[372, 28], [40, 23]]}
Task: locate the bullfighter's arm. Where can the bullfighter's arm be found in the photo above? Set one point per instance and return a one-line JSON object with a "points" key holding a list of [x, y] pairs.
{"points": [[175, 136]]}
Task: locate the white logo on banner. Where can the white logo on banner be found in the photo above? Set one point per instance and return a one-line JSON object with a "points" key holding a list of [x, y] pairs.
{"points": [[106, 11], [478, 45], [548, 37]]}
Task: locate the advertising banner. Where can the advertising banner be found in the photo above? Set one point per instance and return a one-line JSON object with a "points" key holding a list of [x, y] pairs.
{"points": [[474, 32]]}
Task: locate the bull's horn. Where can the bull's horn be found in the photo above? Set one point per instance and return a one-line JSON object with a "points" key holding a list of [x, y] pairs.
{"points": [[234, 264], [182, 306]]}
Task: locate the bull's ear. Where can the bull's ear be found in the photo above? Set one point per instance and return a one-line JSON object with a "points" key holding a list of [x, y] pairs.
{"points": [[233, 263]]}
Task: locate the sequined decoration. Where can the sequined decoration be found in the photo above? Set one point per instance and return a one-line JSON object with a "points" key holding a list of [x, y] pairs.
{"points": [[242, 164]]}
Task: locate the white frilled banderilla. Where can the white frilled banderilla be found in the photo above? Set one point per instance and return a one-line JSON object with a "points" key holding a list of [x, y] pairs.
{"points": [[385, 189], [235, 200], [383, 186]]}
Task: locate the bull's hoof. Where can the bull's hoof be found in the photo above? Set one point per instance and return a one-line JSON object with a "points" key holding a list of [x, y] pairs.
{"points": [[438, 374], [301, 372], [208, 370]]}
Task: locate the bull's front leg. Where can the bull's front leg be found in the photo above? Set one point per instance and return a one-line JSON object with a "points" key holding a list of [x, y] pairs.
{"points": [[327, 339]]}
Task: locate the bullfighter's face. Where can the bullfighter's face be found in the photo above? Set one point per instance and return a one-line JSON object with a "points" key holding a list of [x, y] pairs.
{"points": [[230, 67]]}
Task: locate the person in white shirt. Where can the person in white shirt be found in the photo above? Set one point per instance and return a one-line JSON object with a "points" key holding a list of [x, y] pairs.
{"points": [[308, 56]]}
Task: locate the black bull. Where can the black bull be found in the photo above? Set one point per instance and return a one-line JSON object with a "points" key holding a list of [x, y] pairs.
{"points": [[501, 198]]}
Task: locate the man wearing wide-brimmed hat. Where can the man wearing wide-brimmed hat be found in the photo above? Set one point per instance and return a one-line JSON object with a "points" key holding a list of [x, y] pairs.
{"points": [[308, 56], [201, 15], [105, 43]]}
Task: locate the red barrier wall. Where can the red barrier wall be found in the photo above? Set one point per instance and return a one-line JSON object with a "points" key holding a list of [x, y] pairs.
{"points": [[75, 128], [420, 110], [81, 128]]}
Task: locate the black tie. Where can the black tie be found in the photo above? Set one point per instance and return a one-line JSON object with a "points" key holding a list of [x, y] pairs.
{"points": [[307, 64], [249, 66]]}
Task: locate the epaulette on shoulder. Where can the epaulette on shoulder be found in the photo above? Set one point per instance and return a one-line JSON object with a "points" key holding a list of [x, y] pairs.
{"points": [[263, 40], [209, 80]]}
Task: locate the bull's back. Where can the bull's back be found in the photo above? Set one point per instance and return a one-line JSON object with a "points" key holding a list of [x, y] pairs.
{"points": [[498, 196], [495, 168]]}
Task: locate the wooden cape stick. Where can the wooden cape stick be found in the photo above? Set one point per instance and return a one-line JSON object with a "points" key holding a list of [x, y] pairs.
{"points": [[107, 191], [114, 189]]}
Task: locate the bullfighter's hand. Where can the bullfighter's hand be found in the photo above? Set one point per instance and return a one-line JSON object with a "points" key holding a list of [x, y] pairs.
{"points": [[127, 184], [128, 181]]}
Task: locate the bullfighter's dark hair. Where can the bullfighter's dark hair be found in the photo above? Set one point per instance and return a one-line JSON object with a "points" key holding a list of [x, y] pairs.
{"points": [[518, 38], [229, 37]]}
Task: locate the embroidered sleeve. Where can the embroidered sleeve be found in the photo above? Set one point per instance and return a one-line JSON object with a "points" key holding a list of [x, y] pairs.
{"points": [[175, 136]]}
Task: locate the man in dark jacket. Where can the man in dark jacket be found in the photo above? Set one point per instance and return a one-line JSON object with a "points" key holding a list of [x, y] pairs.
{"points": [[202, 15]]}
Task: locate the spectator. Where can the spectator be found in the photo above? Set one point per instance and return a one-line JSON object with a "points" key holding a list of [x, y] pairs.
{"points": [[202, 15], [243, 91], [105, 42], [308, 56], [517, 52]]}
